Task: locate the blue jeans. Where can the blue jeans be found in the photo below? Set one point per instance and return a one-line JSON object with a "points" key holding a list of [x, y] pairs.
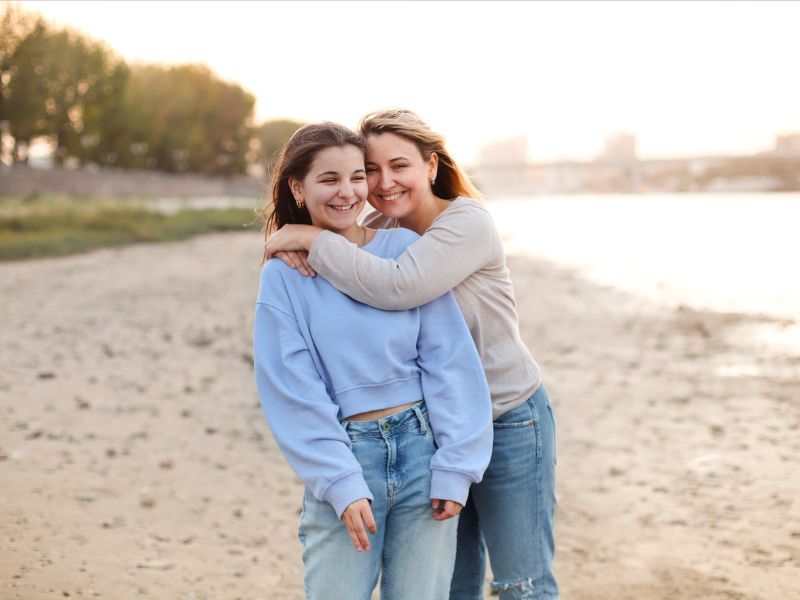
{"points": [[413, 553], [510, 512]]}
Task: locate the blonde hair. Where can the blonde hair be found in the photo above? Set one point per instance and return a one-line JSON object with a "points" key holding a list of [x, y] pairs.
{"points": [[451, 181]]}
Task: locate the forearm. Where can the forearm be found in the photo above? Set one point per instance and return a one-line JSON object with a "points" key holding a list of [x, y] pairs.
{"points": [[458, 400], [413, 279], [291, 238], [302, 417]]}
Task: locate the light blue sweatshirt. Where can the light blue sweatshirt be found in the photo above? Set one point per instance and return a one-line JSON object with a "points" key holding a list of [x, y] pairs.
{"points": [[321, 356]]}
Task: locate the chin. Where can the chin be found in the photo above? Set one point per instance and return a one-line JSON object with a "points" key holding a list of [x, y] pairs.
{"points": [[390, 210]]}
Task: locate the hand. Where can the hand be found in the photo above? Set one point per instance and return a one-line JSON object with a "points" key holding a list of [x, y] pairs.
{"points": [[355, 518], [445, 509], [290, 238], [297, 260]]}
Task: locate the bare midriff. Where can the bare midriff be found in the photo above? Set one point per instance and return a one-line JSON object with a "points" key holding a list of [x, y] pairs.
{"points": [[372, 415]]}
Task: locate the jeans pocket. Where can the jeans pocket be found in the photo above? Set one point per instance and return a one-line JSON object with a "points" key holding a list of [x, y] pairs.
{"points": [[553, 423], [528, 423], [522, 416], [430, 438], [301, 534]]}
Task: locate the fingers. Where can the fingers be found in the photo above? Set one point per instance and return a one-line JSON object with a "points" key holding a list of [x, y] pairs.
{"points": [[285, 257], [301, 260], [369, 521], [272, 246], [296, 260], [445, 509], [355, 517]]}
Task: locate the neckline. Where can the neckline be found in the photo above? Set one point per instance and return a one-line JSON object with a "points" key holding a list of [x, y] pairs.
{"points": [[378, 233]]}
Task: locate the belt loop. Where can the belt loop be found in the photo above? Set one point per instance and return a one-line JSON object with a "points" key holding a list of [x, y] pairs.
{"points": [[345, 423], [423, 424]]}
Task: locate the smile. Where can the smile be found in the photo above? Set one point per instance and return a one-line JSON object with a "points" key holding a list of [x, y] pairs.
{"points": [[392, 197], [343, 207]]}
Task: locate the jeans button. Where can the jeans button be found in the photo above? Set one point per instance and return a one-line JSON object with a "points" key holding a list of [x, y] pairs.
{"points": [[385, 426]]}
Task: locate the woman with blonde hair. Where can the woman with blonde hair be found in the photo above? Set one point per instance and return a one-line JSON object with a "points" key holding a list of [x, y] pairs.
{"points": [[415, 183]]}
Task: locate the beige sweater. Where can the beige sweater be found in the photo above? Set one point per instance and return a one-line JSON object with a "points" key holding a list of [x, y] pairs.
{"points": [[460, 251]]}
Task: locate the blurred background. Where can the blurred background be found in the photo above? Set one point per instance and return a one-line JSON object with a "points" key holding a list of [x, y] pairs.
{"points": [[641, 161]]}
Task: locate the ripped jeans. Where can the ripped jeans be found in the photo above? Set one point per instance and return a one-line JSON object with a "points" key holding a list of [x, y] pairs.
{"points": [[510, 512]]}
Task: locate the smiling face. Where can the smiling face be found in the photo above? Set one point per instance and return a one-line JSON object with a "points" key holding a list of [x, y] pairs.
{"points": [[399, 177], [335, 188]]}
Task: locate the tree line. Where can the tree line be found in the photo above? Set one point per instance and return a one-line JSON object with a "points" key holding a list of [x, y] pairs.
{"points": [[94, 108]]}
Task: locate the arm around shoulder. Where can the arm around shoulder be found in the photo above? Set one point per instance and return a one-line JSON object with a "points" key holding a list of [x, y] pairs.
{"points": [[460, 242]]}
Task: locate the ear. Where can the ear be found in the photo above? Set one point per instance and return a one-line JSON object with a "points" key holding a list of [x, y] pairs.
{"points": [[433, 166], [296, 188]]}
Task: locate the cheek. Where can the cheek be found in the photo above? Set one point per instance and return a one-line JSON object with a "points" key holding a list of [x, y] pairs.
{"points": [[413, 179], [361, 190], [372, 181]]}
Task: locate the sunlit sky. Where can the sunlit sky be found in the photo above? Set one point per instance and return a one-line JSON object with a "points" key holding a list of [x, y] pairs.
{"points": [[686, 77]]}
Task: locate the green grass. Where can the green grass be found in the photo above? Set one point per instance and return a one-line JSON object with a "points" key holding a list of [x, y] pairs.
{"points": [[37, 226]]}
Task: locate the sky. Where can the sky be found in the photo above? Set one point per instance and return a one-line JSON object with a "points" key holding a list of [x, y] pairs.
{"points": [[687, 78]]}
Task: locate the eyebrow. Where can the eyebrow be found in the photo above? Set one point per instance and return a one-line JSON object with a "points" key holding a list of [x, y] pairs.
{"points": [[372, 162], [326, 173]]}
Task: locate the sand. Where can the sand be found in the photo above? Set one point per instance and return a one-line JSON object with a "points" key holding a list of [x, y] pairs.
{"points": [[135, 460]]}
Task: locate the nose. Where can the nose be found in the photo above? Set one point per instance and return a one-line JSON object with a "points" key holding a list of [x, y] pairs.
{"points": [[346, 189], [386, 181]]}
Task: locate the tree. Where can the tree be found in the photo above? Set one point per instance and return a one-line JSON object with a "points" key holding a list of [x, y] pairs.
{"points": [[93, 107], [272, 135], [60, 83], [184, 118], [15, 26]]}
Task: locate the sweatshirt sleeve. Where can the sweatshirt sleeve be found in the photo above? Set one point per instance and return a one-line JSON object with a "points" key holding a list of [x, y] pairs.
{"points": [[457, 397], [458, 243], [303, 418]]}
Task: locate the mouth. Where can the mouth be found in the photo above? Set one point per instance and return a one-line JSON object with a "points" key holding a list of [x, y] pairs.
{"points": [[342, 208], [390, 197]]}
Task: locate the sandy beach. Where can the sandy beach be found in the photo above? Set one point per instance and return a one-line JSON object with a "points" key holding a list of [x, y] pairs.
{"points": [[135, 461]]}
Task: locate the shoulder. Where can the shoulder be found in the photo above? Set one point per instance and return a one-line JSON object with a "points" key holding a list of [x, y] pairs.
{"points": [[468, 209], [275, 270], [467, 217], [275, 277]]}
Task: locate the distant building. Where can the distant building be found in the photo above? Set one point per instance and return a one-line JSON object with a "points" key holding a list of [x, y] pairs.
{"points": [[619, 148], [617, 169], [787, 144], [505, 153]]}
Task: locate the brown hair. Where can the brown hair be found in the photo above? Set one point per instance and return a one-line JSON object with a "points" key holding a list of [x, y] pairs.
{"points": [[294, 160], [451, 181]]}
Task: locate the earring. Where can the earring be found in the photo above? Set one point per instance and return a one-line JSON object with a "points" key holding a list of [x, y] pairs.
{"points": [[299, 203], [433, 181]]}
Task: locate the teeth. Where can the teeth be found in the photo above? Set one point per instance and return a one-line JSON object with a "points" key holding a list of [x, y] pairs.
{"points": [[393, 197], [343, 208]]}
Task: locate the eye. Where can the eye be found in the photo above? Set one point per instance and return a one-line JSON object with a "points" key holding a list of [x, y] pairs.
{"points": [[358, 178], [370, 169], [400, 166], [327, 181]]}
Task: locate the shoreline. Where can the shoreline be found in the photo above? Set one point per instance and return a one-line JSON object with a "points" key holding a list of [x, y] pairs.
{"points": [[135, 459]]}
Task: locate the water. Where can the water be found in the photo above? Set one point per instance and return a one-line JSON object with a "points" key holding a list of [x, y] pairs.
{"points": [[726, 252]]}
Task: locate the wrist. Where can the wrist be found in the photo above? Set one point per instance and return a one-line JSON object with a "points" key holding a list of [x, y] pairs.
{"points": [[310, 233]]}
